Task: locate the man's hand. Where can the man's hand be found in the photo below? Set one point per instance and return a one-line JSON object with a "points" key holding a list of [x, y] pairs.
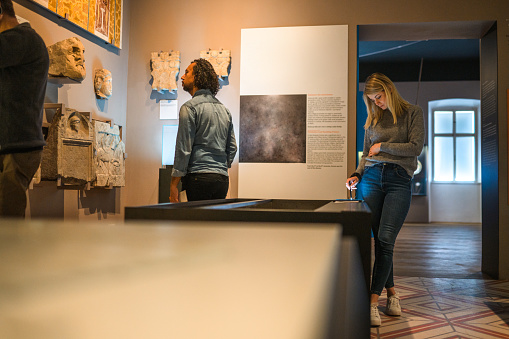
{"points": [[174, 191]]}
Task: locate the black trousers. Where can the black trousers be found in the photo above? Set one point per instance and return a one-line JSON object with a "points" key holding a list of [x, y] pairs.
{"points": [[16, 172], [205, 186]]}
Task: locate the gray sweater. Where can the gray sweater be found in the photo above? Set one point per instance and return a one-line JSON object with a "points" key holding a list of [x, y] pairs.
{"points": [[401, 144]]}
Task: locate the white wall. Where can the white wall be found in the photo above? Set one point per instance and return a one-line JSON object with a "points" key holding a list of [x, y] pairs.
{"points": [[455, 203]]}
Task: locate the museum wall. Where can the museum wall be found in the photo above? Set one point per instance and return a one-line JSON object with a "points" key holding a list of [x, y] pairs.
{"points": [[46, 200], [193, 26]]}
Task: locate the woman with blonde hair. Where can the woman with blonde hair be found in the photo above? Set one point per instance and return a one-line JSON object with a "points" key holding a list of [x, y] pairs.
{"points": [[393, 139]]}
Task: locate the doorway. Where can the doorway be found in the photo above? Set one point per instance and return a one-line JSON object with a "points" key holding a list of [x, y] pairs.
{"points": [[401, 40]]}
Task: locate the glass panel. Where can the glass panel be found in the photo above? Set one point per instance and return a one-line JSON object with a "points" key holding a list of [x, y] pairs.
{"points": [[169, 140], [465, 122], [443, 121], [443, 159], [465, 159]]}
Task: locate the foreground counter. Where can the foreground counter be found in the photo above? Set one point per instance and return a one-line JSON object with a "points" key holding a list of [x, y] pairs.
{"points": [[180, 279], [353, 215]]}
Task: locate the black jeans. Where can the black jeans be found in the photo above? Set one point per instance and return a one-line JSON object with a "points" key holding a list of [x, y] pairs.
{"points": [[16, 172], [205, 186]]}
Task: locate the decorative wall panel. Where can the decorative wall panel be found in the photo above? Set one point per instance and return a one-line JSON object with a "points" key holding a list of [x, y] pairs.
{"points": [[102, 18]]}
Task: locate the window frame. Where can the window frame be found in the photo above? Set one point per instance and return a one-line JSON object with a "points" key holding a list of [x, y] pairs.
{"points": [[454, 136]]}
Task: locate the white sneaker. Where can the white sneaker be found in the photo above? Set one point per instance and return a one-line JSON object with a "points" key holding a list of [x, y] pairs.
{"points": [[393, 307], [375, 316]]}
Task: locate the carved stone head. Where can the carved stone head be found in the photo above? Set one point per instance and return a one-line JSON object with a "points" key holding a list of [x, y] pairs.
{"points": [[74, 123], [67, 59], [102, 84]]}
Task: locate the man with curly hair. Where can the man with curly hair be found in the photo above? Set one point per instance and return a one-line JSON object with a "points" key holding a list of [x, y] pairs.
{"points": [[205, 146]]}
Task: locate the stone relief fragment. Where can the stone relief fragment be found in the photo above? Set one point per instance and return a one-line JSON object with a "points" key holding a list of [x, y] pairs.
{"points": [[67, 59], [165, 68], [109, 155], [68, 155], [220, 60], [103, 84]]}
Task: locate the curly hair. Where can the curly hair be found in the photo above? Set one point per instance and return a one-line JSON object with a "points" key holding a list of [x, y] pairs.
{"points": [[7, 8], [204, 76]]}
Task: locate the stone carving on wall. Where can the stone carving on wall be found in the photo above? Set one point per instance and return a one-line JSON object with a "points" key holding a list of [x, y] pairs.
{"points": [[220, 60], [102, 84], [165, 68], [68, 155], [67, 59], [109, 159]]}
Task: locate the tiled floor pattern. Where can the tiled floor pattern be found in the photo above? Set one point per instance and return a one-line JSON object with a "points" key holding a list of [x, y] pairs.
{"points": [[447, 309]]}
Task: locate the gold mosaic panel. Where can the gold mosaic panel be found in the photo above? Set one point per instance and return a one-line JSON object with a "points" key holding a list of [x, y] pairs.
{"points": [[52, 5], [75, 11], [111, 31], [118, 22], [82, 13], [91, 16]]}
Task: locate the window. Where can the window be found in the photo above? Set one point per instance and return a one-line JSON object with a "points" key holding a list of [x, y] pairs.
{"points": [[454, 137]]}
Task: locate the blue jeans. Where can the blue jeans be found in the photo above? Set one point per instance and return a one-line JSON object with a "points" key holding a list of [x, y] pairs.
{"points": [[386, 189]]}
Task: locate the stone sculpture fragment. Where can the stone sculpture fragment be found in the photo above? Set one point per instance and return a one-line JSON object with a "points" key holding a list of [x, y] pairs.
{"points": [[103, 84], [165, 68], [109, 159], [68, 155], [67, 59], [220, 60]]}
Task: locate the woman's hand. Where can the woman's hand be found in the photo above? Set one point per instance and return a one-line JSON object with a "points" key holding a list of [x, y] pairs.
{"points": [[352, 182], [374, 150]]}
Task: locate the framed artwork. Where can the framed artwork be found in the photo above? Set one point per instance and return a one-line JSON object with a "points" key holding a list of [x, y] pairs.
{"points": [[102, 18]]}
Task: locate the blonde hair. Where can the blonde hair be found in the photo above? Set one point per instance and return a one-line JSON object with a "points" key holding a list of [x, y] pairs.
{"points": [[376, 83]]}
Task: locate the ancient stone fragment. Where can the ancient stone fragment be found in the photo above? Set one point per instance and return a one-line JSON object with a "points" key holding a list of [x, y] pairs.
{"points": [[220, 60], [67, 59], [102, 84], [109, 153], [68, 155], [165, 70]]}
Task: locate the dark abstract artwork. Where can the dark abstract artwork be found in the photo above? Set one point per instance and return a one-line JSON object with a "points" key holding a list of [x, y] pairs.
{"points": [[272, 128]]}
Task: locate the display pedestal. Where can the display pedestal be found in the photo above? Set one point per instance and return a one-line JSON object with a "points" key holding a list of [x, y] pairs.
{"points": [[353, 216]]}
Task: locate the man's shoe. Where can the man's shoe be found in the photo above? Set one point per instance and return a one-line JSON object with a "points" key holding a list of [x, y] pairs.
{"points": [[375, 316], [393, 307]]}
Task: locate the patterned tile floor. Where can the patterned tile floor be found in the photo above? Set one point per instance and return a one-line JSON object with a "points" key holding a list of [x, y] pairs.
{"points": [[447, 308]]}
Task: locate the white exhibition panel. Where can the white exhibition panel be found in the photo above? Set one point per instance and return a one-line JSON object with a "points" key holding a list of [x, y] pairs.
{"points": [[311, 61]]}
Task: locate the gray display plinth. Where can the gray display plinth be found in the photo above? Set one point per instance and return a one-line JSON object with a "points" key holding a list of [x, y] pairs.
{"points": [[179, 279]]}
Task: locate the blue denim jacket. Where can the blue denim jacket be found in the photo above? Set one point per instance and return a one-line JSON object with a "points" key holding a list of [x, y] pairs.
{"points": [[205, 137]]}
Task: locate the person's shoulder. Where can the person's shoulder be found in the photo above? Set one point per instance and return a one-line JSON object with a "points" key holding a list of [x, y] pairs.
{"points": [[414, 109], [24, 28], [188, 103]]}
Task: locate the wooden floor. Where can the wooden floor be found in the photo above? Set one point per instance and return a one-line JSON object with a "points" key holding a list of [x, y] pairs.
{"points": [[439, 251]]}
